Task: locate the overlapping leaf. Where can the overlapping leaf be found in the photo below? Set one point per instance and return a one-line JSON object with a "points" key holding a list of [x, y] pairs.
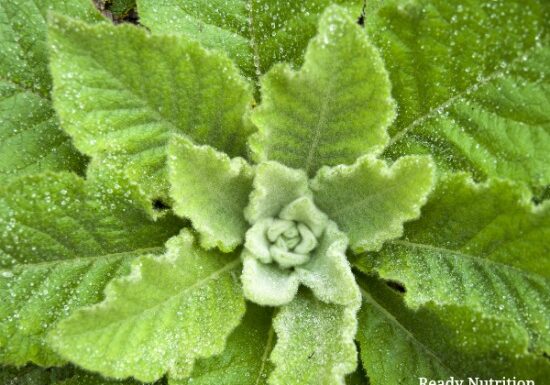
{"points": [[256, 34], [370, 201], [211, 190], [479, 246], [61, 240], [399, 345], [121, 91], [471, 82], [245, 360], [159, 319], [314, 342], [334, 109], [30, 139]]}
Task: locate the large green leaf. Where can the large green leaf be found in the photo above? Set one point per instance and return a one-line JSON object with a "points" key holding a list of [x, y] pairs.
{"points": [[471, 82], [121, 91], [399, 345], [334, 109], [30, 139], [481, 246], [211, 190], [61, 241], [165, 314], [314, 342], [245, 360], [256, 34], [370, 201]]}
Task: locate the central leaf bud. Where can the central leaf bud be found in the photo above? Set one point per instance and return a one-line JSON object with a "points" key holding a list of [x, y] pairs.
{"points": [[290, 238]]}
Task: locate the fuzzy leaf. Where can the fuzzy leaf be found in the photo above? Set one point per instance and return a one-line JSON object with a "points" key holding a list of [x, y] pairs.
{"points": [[477, 246], [314, 342], [115, 96], [159, 319], [211, 190], [256, 34], [61, 241], [471, 82], [30, 139], [370, 201], [245, 360], [275, 186], [438, 342], [334, 109]]}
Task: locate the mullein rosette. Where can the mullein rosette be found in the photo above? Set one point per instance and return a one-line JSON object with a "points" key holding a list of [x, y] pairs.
{"points": [[276, 232]]}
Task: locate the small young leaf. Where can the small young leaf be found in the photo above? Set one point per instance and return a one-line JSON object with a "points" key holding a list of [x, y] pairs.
{"points": [[62, 239], [471, 80], [159, 319], [370, 201], [245, 360], [121, 91], [314, 342], [30, 139], [334, 109], [211, 190], [256, 34], [457, 255]]}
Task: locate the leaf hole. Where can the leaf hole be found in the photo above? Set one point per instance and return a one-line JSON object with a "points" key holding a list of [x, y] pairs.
{"points": [[159, 205]]}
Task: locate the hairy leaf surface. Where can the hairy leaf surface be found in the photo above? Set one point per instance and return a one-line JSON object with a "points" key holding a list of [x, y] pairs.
{"points": [[121, 91], [471, 82], [30, 139], [61, 241], [370, 201], [314, 342], [481, 246], [334, 109], [165, 314], [438, 342], [245, 360], [211, 190], [256, 34]]}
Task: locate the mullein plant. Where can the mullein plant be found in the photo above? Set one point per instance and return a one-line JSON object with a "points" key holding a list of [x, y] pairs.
{"points": [[274, 192]]}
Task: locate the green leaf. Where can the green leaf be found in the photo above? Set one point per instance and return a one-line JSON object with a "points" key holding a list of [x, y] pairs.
{"points": [[256, 34], [245, 358], [481, 246], [211, 190], [159, 319], [68, 375], [370, 201], [334, 109], [30, 139], [471, 82], [314, 342], [116, 96], [61, 241], [438, 342]]}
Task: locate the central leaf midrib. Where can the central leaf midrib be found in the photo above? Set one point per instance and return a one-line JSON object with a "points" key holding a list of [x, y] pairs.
{"points": [[226, 268], [367, 297]]}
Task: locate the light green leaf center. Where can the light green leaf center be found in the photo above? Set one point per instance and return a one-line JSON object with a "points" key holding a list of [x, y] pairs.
{"points": [[290, 238]]}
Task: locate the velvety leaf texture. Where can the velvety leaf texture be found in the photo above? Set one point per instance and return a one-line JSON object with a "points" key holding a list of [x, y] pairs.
{"points": [[30, 139], [211, 190], [468, 249], [471, 82], [438, 342], [314, 342], [115, 96], [256, 34], [159, 319], [334, 109], [61, 240], [245, 360], [370, 201]]}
